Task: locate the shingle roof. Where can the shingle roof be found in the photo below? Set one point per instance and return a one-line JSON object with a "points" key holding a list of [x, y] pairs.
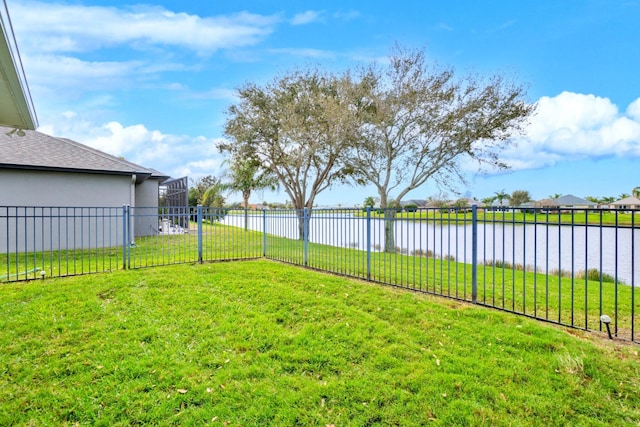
{"points": [[628, 201], [416, 202], [39, 151], [571, 200]]}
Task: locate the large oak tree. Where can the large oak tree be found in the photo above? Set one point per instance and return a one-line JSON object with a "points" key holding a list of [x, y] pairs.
{"points": [[419, 123], [299, 129]]}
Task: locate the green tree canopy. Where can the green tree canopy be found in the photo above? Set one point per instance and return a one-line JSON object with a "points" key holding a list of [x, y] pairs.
{"points": [[369, 202], [519, 197], [206, 191], [420, 123], [298, 127], [246, 175]]}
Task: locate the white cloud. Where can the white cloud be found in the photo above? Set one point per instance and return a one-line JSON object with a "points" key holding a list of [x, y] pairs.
{"points": [[176, 155], [576, 126], [306, 17], [66, 72], [633, 110], [572, 111], [304, 52], [55, 27]]}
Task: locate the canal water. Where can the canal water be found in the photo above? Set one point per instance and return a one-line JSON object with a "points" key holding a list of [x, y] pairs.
{"points": [[544, 247]]}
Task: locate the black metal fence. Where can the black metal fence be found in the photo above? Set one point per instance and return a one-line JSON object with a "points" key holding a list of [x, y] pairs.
{"points": [[569, 267]]}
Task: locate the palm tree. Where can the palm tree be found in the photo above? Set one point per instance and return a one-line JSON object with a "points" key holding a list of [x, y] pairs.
{"points": [[593, 199], [607, 200], [636, 192], [369, 202], [500, 196], [246, 175], [212, 197], [488, 200]]}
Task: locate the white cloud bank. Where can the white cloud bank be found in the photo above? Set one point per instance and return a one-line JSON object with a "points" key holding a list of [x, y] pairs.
{"points": [[176, 155], [573, 126], [566, 127], [68, 49], [55, 28]]}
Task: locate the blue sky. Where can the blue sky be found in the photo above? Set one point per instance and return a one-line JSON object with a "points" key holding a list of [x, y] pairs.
{"points": [[151, 81]]}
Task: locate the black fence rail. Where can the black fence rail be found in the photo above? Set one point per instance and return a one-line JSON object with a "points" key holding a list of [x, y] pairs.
{"points": [[573, 267]]}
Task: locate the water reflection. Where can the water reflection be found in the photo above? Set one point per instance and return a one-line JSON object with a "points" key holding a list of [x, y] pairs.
{"points": [[543, 247]]}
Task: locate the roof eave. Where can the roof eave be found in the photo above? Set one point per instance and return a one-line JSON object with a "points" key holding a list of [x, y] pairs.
{"points": [[139, 174], [19, 110]]}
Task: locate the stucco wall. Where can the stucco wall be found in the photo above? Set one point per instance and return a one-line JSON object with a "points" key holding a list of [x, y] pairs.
{"points": [[87, 213], [44, 229], [145, 213], [39, 188], [147, 193]]}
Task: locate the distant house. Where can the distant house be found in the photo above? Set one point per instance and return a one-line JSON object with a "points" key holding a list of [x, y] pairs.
{"points": [[544, 203], [626, 203], [417, 202], [467, 202], [436, 204], [501, 205], [570, 201]]}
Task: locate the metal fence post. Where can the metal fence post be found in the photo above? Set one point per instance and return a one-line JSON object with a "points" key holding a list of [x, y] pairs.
{"points": [[368, 242], [199, 233], [305, 233], [474, 253], [264, 233], [125, 236]]}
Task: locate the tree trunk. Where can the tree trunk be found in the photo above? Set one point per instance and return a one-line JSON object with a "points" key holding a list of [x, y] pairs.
{"points": [[303, 223], [389, 230], [245, 195]]}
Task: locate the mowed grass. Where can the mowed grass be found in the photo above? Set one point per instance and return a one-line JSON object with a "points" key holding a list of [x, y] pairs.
{"points": [[576, 301], [573, 301], [263, 343], [575, 217]]}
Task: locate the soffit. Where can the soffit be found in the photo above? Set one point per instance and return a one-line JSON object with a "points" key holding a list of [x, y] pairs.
{"points": [[16, 106]]}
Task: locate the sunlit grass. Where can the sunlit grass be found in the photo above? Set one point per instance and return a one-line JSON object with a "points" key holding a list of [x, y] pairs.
{"points": [[262, 343], [577, 301]]}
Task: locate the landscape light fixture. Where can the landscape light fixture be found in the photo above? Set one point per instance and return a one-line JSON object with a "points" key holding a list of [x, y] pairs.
{"points": [[606, 320]]}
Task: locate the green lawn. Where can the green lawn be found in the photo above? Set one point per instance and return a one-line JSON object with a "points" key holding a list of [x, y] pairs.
{"points": [[578, 302], [578, 217], [263, 343]]}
